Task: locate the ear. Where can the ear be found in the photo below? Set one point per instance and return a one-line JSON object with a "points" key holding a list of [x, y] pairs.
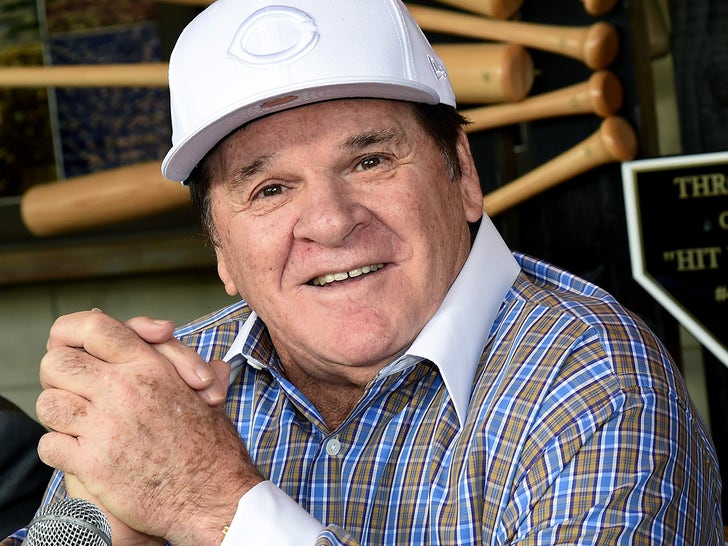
{"points": [[224, 273], [470, 190]]}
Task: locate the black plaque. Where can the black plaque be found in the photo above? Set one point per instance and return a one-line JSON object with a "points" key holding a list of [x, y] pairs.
{"points": [[677, 217]]}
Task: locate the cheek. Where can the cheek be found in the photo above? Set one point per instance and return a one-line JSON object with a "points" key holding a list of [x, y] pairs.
{"points": [[254, 254]]}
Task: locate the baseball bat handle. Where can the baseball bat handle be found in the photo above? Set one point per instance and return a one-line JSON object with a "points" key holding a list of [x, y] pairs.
{"points": [[498, 9], [93, 75], [99, 199], [598, 7], [601, 94], [595, 45], [615, 140]]}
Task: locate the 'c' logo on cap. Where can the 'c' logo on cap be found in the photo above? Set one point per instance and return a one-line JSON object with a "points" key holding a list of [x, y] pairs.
{"points": [[274, 35]]}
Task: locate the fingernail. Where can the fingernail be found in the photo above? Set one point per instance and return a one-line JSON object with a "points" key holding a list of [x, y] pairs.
{"points": [[204, 373], [97, 310], [216, 395], [162, 322]]}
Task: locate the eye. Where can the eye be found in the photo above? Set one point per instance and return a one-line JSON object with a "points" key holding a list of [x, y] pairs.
{"points": [[272, 190], [369, 162]]}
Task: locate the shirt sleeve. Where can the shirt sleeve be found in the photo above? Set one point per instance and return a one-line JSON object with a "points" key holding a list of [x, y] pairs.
{"points": [[259, 517], [618, 460]]}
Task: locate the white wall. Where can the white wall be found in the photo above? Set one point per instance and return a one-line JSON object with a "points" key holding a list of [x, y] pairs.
{"points": [[27, 312]]}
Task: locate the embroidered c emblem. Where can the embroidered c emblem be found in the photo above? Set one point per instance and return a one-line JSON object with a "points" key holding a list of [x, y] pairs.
{"points": [[274, 35]]}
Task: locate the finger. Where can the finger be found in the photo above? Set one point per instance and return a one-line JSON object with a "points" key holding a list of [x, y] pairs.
{"points": [[61, 411], [58, 450], [100, 335], [71, 369], [194, 371], [191, 368], [152, 330], [222, 373]]}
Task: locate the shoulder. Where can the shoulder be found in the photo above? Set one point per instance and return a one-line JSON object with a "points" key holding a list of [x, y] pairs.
{"points": [[211, 335], [633, 350], [600, 353]]}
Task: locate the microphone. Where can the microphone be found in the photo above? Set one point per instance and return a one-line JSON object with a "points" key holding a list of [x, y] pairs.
{"points": [[69, 522]]}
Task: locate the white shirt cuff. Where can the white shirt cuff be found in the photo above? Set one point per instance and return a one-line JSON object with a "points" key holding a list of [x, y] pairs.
{"points": [[266, 515]]}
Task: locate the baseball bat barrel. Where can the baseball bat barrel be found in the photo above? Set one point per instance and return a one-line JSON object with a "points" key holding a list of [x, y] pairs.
{"points": [[487, 72], [595, 45], [601, 94], [137, 191], [99, 199], [93, 75], [480, 73], [615, 140], [598, 7], [498, 9], [189, 2]]}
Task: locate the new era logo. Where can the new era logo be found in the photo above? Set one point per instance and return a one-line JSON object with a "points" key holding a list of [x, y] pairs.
{"points": [[437, 68]]}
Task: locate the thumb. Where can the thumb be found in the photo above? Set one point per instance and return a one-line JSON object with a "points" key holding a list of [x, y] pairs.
{"points": [[152, 330]]}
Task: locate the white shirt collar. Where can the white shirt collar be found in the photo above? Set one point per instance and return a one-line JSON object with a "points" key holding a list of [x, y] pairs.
{"points": [[454, 338], [456, 335]]}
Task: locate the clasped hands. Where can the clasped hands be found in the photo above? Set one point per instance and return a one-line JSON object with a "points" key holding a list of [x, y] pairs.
{"points": [[136, 424]]}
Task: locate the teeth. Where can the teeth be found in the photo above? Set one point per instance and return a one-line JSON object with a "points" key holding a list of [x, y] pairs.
{"points": [[333, 277]]}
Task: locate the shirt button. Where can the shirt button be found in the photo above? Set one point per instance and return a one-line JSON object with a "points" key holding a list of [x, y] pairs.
{"points": [[333, 446]]}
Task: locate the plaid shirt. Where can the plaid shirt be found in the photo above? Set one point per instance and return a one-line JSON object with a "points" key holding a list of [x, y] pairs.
{"points": [[578, 430]]}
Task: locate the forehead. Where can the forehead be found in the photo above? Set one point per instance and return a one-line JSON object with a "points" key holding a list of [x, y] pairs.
{"points": [[353, 115]]}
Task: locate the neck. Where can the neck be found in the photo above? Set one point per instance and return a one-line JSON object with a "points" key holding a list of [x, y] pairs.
{"points": [[334, 401]]}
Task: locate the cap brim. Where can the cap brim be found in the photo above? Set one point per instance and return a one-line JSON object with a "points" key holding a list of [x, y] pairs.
{"points": [[186, 154]]}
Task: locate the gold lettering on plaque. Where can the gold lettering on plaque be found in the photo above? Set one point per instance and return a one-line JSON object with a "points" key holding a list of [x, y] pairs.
{"points": [[701, 185], [723, 219], [694, 259]]}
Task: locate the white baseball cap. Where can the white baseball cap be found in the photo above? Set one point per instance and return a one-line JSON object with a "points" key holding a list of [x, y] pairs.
{"points": [[243, 59]]}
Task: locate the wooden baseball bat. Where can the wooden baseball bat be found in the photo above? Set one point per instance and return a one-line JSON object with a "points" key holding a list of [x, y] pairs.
{"points": [[598, 7], [99, 199], [487, 72], [188, 2], [480, 73], [136, 191], [595, 45], [91, 75], [601, 94], [498, 9], [615, 140]]}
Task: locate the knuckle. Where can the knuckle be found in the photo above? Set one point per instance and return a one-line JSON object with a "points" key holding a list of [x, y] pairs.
{"points": [[44, 450], [65, 360], [49, 451], [56, 411]]}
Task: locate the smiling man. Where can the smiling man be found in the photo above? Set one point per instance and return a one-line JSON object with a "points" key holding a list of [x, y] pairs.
{"points": [[393, 373], [304, 201]]}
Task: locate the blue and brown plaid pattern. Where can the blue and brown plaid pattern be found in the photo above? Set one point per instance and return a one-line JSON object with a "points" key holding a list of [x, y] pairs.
{"points": [[579, 431]]}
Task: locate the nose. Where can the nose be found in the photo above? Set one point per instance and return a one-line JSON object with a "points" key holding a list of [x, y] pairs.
{"points": [[328, 212]]}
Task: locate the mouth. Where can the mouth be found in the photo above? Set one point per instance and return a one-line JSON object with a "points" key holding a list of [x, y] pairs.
{"points": [[345, 275]]}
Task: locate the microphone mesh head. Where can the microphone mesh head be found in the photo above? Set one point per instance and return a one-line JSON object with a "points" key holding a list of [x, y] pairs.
{"points": [[69, 522]]}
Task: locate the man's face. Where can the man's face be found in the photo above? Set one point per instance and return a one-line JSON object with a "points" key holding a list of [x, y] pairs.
{"points": [[339, 224]]}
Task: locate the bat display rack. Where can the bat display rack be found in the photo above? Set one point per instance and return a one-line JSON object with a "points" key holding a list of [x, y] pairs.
{"points": [[553, 90]]}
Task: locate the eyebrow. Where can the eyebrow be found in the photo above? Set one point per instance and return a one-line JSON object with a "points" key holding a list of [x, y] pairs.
{"points": [[356, 142], [369, 138], [251, 169]]}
